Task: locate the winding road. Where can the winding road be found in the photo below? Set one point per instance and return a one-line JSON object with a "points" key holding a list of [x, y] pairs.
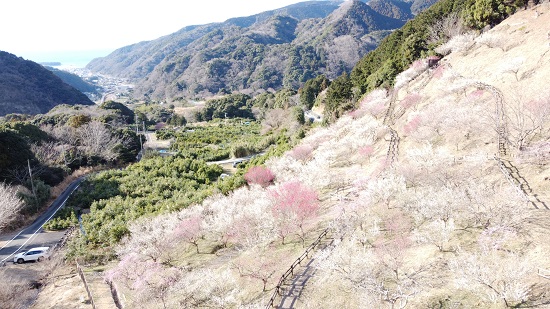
{"points": [[34, 235]]}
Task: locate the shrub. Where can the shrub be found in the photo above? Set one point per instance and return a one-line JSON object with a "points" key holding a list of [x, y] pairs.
{"points": [[339, 96], [311, 89], [64, 218], [32, 202], [402, 47]]}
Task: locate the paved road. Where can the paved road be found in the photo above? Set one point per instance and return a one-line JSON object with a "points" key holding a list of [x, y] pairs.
{"points": [[34, 235], [233, 160]]}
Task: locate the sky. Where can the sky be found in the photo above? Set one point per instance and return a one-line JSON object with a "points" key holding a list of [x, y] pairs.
{"points": [[39, 28]]}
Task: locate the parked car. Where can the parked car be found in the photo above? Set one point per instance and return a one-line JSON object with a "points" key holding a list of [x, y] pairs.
{"points": [[238, 162], [33, 254]]}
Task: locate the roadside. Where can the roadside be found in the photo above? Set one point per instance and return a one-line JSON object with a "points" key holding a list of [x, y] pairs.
{"points": [[70, 292], [56, 191], [67, 287], [52, 283], [24, 285]]}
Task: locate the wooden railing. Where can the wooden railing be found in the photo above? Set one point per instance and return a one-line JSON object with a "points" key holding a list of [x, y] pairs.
{"points": [[393, 148], [511, 173], [290, 270], [81, 273]]}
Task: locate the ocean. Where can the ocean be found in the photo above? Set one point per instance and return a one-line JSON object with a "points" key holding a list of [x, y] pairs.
{"points": [[70, 59]]}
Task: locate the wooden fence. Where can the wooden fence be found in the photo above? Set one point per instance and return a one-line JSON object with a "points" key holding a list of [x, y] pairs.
{"points": [[81, 273], [290, 271]]}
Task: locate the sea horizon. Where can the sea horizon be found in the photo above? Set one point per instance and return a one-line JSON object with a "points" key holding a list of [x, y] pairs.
{"points": [[69, 59]]}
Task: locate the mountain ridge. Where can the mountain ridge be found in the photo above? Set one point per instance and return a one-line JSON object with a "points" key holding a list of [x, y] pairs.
{"points": [[27, 87], [270, 50]]}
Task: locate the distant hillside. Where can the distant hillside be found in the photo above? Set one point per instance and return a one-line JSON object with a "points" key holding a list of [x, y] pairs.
{"points": [[74, 80], [28, 88], [275, 49]]}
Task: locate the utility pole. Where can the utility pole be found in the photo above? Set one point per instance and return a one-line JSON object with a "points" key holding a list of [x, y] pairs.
{"points": [[32, 184], [142, 148], [141, 145]]}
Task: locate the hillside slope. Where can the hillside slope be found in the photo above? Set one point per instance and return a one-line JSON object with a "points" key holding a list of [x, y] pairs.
{"points": [[28, 88], [453, 208], [280, 48], [75, 81], [435, 194]]}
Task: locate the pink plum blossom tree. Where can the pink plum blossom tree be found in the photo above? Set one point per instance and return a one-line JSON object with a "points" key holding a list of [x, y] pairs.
{"points": [[259, 175], [293, 204], [190, 230]]}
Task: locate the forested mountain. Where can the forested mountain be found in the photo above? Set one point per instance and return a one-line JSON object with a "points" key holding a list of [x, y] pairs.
{"points": [[275, 49], [27, 87]]}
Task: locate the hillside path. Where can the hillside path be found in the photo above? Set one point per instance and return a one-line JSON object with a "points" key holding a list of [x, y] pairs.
{"points": [[293, 290], [101, 292]]}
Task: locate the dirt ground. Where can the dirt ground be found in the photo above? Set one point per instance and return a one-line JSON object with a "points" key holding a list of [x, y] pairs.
{"points": [[50, 284]]}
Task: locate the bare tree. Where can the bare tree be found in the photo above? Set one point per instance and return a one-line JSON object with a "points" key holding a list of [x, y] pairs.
{"points": [[48, 153], [527, 120], [96, 140], [10, 204], [447, 28], [64, 134]]}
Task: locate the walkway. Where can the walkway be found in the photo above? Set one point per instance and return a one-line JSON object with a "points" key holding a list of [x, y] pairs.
{"points": [[293, 291]]}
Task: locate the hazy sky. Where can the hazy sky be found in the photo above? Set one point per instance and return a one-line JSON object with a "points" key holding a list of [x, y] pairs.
{"points": [[35, 26]]}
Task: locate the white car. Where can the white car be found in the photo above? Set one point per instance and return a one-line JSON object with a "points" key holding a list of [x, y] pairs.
{"points": [[33, 254]]}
